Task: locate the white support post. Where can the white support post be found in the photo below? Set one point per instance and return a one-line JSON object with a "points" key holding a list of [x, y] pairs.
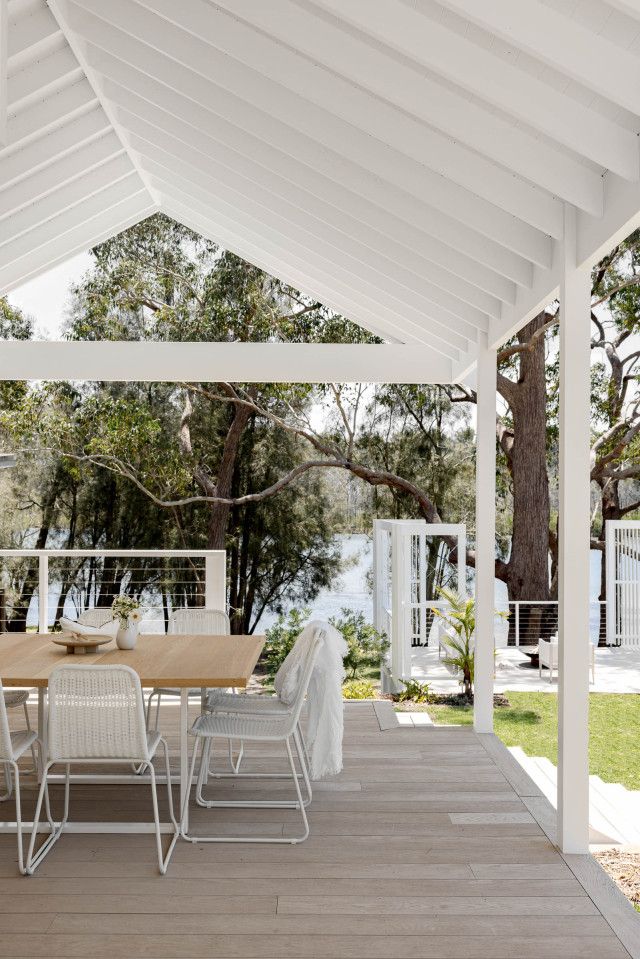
{"points": [[573, 561], [43, 594], [4, 73], [485, 537], [215, 580]]}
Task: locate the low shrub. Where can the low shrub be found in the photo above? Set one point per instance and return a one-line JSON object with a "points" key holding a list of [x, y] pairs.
{"points": [[414, 692], [359, 689], [366, 645]]}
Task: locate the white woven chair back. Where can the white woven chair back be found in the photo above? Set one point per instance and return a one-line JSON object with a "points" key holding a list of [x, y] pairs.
{"points": [[6, 749], [199, 622], [95, 617], [96, 712]]}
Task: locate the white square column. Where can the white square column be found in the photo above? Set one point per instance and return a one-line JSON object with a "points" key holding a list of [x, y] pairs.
{"points": [[485, 537], [574, 544]]}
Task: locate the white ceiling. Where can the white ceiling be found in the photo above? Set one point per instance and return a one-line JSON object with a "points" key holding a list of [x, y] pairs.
{"points": [[407, 162]]}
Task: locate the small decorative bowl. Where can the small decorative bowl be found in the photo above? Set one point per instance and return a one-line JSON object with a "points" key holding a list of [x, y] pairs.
{"points": [[79, 644]]}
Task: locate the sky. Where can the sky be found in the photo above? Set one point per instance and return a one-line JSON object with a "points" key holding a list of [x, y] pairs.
{"points": [[45, 297]]}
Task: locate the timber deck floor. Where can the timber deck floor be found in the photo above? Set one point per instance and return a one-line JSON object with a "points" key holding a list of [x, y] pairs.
{"points": [[421, 848]]}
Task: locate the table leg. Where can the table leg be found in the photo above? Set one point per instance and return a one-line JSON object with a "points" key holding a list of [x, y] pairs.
{"points": [[185, 785]]}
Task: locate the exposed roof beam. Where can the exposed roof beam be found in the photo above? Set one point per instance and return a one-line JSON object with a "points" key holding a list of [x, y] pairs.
{"points": [[21, 163], [78, 240], [39, 80], [597, 237], [51, 177], [528, 99], [46, 115], [4, 68], [383, 83], [114, 196], [58, 8], [630, 7], [326, 200], [427, 202], [417, 315], [26, 220], [562, 42], [258, 246], [408, 271], [32, 37], [212, 362], [529, 303], [249, 72]]}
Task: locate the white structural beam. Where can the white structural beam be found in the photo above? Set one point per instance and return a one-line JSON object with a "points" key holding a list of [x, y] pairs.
{"points": [[598, 235], [76, 240], [212, 362], [562, 42], [485, 538], [385, 76], [263, 167], [4, 69], [331, 176], [531, 101], [313, 101], [574, 543]]}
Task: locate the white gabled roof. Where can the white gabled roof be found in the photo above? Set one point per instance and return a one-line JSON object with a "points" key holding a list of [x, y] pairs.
{"points": [[405, 161]]}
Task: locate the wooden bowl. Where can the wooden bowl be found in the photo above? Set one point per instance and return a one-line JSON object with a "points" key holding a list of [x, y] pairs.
{"points": [[81, 645]]}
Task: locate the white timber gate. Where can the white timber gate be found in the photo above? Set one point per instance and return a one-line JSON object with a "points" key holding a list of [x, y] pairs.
{"points": [[622, 540], [410, 557]]}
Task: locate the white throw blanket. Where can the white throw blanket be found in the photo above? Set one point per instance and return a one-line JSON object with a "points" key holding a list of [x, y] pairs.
{"points": [[87, 632], [324, 701]]}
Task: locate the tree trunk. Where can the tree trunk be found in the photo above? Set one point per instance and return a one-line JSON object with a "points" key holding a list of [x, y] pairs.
{"points": [[526, 573], [219, 514], [611, 509]]}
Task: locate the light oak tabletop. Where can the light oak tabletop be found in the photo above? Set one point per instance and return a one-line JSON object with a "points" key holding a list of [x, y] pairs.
{"points": [[27, 659]]}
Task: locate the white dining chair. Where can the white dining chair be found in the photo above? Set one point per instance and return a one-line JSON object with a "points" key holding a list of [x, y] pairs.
{"points": [[278, 726], [191, 621], [96, 717], [14, 698], [13, 745]]}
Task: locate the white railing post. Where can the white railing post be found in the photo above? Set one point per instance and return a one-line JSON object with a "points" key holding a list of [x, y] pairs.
{"points": [[611, 615], [485, 538], [215, 579], [43, 593], [517, 628], [574, 545]]}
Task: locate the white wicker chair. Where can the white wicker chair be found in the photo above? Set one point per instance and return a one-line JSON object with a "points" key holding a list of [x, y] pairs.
{"points": [[12, 747], [12, 699], [96, 716], [199, 622], [279, 725]]}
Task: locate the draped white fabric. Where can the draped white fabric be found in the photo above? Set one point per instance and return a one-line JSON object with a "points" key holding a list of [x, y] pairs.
{"points": [[324, 701]]}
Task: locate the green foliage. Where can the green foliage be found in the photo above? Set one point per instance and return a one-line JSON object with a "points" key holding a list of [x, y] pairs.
{"points": [[366, 645], [280, 639], [414, 691], [359, 689], [460, 621]]}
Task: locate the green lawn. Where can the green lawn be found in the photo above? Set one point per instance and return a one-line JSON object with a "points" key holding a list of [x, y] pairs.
{"points": [[531, 723]]}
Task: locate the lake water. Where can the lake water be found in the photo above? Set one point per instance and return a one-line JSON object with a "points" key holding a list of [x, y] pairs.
{"points": [[352, 588]]}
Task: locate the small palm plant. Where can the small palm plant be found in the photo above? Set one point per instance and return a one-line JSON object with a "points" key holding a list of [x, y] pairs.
{"points": [[460, 618]]}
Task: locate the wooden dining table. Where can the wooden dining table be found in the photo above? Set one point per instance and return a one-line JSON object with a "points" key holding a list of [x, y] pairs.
{"points": [[170, 661]]}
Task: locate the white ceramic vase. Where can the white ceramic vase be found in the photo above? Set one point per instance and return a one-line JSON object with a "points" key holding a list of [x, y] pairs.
{"points": [[127, 636]]}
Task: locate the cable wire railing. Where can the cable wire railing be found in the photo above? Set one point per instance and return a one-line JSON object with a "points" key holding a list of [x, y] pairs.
{"points": [[37, 586]]}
